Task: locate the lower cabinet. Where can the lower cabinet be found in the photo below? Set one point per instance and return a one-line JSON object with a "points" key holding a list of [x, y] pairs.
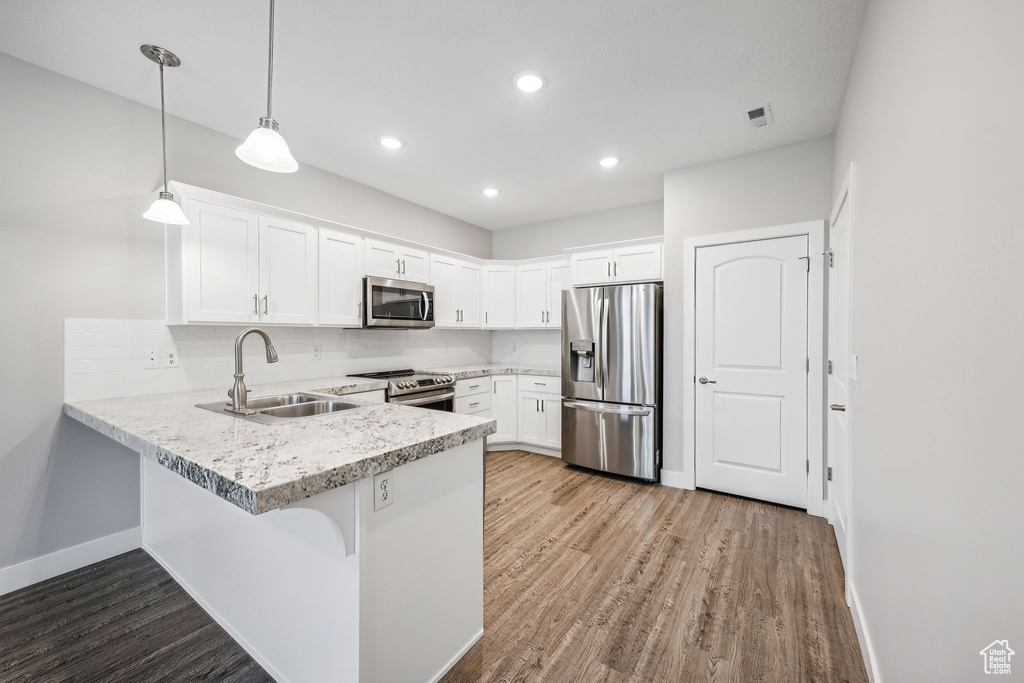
{"points": [[540, 419], [505, 409]]}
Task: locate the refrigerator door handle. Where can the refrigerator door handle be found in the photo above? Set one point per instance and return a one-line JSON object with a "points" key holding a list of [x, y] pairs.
{"points": [[599, 408]]}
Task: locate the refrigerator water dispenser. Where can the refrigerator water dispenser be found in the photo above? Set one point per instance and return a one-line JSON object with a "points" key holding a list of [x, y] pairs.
{"points": [[583, 353]]}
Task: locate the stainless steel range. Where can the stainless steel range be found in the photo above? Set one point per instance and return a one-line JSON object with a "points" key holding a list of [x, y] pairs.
{"points": [[405, 387]]}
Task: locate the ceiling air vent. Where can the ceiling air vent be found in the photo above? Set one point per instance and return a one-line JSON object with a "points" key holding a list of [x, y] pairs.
{"points": [[760, 117]]}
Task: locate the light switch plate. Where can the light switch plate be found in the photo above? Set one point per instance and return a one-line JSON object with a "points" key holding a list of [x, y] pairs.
{"points": [[383, 490], [151, 359]]}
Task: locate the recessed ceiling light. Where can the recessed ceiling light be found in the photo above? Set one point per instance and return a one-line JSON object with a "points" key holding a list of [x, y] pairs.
{"points": [[491, 192], [390, 142], [608, 162], [529, 81]]}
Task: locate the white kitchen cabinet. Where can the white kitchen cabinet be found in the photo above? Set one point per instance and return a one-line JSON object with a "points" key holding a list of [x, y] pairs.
{"points": [[478, 404], [288, 272], [539, 293], [341, 279], [395, 262], [631, 263], [499, 296], [456, 291], [532, 429], [551, 412], [222, 265], [505, 409]]}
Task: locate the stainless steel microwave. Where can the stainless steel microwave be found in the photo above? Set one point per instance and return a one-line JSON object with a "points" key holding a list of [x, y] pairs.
{"points": [[397, 304]]}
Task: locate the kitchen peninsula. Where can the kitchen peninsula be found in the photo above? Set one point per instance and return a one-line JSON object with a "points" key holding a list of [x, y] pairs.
{"points": [[272, 528]]}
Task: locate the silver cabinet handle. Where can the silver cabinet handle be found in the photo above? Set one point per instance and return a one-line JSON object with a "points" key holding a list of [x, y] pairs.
{"points": [[609, 269], [542, 406], [403, 266], [474, 404], [542, 316], [705, 380], [256, 304], [398, 266], [540, 384], [485, 318], [536, 406], [474, 386], [838, 408], [264, 304], [616, 268]]}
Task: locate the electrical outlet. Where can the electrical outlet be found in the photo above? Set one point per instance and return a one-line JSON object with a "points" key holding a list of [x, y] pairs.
{"points": [[316, 352], [383, 490], [151, 360], [169, 357]]}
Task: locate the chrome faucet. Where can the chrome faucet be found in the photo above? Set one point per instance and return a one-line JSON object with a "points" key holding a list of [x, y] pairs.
{"points": [[238, 393]]}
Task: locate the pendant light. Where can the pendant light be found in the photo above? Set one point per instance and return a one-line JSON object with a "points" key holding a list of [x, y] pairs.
{"points": [[164, 209], [265, 147]]}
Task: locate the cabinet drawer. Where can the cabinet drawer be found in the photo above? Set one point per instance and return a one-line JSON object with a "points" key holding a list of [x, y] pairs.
{"points": [[377, 396], [470, 387], [548, 385], [472, 405]]}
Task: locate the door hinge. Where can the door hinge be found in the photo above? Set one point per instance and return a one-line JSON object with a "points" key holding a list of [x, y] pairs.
{"points": [[830, 474], [828, 253], [830, 367], [808, 259]]}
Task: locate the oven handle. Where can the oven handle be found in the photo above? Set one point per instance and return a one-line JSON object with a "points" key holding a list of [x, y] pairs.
{"points": [[433, 398]]}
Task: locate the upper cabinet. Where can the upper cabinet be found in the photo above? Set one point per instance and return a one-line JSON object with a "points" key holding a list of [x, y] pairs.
{"points": [[341, 279], [396, 262], [456, 291], [539, 289], [232, 266], [499, 297], [618, 264]]}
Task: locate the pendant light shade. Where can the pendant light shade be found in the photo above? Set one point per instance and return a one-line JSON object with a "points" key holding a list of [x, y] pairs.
{"points": [[164, 209], [265, 148]]}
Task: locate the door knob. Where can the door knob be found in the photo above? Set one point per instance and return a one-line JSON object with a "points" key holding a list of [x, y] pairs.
{"points": [[705, 380], [840, 408]]}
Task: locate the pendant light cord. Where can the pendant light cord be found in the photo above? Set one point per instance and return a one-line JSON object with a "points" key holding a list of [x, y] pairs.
{"points": [[163, 125], [270, 64]]}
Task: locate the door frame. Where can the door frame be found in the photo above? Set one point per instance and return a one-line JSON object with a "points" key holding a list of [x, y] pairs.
{"points": [[817, 240]]}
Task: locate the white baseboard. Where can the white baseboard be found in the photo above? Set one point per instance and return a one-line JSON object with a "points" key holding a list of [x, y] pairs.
{"points": [[459, 655], [676, 480], [867, 651], [529, 448], [68, 559]]}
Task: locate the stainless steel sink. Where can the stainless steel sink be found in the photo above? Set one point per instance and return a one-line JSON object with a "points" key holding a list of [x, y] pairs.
{"points": [[273, 409]]}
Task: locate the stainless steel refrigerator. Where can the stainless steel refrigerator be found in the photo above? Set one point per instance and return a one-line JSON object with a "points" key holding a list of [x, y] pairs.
{"points": [[611, 379]]}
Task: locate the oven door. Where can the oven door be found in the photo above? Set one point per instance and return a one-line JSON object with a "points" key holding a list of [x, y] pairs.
{"points": [[397, 304], [442, 399]]}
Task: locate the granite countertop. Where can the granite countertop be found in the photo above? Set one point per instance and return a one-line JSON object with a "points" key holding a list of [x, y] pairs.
{"points": [[484, 369], [262, 467]]}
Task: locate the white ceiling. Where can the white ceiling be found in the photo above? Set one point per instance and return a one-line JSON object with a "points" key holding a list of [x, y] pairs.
{"points": [[659, 83]]}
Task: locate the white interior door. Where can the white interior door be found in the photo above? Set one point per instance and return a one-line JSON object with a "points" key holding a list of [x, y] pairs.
{"points": [[499, 296], [469, 294], [223, 264], [446, 290], [839, 377], [751, 368], [341, 278], [288, 272]]}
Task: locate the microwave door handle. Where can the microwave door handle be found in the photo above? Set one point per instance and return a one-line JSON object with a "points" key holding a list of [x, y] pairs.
{"points": [[424, 307]]}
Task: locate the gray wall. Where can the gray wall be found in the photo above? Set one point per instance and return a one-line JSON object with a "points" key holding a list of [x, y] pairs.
{"points": [[788, 184], [550, 237], [78, 168], [932, 119]]}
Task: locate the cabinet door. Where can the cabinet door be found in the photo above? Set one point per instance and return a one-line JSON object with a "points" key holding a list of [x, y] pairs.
{"points": [[504, 409], [288, 272], [499, 296], [637, 264], [382, 259], [531, 420], [341, 278], [592, 267], [415, 265], [445, 279], [559, 279], [531, 295], [552, 416], [223, 264], [469, 294]]}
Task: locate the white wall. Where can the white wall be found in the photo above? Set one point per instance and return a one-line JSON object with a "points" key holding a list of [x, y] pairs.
{"points": [[932, 118], [78, 168], [543, 347], [787, 184], [550, 237]]}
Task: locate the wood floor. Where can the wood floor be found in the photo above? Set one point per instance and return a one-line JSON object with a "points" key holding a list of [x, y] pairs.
{"points": [[593, 578], [124, 619]]}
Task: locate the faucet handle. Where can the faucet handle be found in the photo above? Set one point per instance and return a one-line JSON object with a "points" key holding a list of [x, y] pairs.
{"points": [[231, 392]]}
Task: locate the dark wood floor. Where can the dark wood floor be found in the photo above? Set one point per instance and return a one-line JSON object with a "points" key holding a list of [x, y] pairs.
{"points": [[124, 619], [593, 578]]}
